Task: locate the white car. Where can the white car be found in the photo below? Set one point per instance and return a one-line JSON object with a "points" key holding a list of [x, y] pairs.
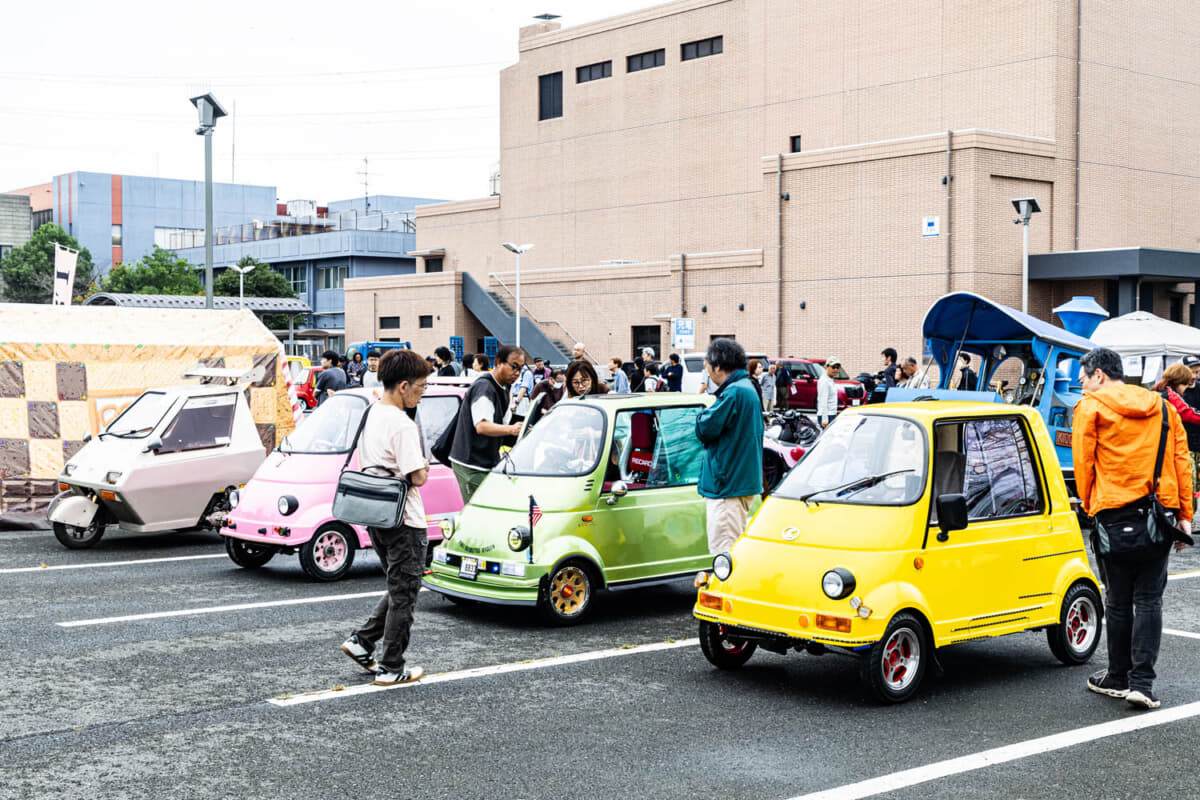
{"points": [[695, 375]]}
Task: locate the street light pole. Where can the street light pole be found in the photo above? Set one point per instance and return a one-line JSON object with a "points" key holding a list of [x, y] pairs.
{"points": [[518, 249], [1026, 207], [241, 271], [210, 111]]}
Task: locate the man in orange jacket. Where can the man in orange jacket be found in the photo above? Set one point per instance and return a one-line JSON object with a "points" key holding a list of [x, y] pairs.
{"points": [[1114, 446]]}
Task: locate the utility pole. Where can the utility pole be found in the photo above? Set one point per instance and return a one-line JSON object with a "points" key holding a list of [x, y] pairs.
{"points": [[366, 190]]}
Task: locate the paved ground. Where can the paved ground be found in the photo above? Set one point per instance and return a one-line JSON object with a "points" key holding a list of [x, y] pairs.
{"points": [[179, 705]]}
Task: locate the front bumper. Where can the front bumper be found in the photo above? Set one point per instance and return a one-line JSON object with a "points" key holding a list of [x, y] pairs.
{"points": [[488, 586], [756, 619]]}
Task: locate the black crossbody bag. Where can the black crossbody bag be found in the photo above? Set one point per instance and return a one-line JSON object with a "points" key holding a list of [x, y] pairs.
{"points": [[1144, 527], [362, 498]]}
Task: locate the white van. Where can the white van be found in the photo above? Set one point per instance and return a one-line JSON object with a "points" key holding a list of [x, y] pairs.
{"points": [[695, 375]]}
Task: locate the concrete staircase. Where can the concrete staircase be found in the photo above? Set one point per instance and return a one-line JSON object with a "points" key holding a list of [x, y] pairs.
{"points": [[495, 312]]}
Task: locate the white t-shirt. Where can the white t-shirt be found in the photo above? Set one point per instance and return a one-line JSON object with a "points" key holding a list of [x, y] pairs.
{"points": [[483, 408], [390, 439], [370, 378]]}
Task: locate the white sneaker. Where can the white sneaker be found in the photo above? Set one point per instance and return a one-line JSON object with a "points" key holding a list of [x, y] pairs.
{"points": [[386, 677], [1142, 699], [359, 654]]}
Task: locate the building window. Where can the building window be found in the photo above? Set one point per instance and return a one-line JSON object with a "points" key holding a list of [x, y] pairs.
{"points": [[178, 238], [389, 323], [550, 96], [593, 72], [297, 277], [433, 265], [796, 144], [426, 321], [702, 48], [5, 249], [649, 60], [116, 235], [332, 277]]}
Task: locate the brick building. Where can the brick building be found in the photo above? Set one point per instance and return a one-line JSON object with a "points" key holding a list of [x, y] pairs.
{"points": [[772, 169]]}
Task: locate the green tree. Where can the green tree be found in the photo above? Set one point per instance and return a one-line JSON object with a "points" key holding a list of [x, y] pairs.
{"points": [[262, 281], [27, 272], [160, 272]]}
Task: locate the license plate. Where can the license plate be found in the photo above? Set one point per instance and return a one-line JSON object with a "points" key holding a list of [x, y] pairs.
{"points": [[468, 568], [1062, 438], [853, 402]]}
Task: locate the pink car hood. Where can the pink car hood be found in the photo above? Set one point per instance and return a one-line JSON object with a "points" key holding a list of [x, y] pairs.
{"points": [[301, 468]]}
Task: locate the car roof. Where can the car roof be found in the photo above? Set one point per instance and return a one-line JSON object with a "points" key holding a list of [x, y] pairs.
{"points": [[932, 410]]}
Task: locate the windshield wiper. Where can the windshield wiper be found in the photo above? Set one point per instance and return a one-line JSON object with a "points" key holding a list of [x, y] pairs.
{"points": [[857, 485], [505, 462]]}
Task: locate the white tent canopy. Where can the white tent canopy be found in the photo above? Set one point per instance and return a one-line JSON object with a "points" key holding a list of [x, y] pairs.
{"points": [[1147, 343]]}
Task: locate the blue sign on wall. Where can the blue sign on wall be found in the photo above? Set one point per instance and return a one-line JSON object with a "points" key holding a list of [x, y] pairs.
{"points": [[456, 347], [490, 345]]}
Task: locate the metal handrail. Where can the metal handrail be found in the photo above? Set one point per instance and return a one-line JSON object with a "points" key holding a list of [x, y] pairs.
{"points": [[536, 321]]}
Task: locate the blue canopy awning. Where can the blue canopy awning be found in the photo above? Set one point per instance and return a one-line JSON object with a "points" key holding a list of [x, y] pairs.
{"points": [[965, 315]]}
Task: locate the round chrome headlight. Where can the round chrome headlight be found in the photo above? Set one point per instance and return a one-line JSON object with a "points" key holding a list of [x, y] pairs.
{"points": [[519, 537], [287, 504], [722, 566], [837, 583], [235, 497]]}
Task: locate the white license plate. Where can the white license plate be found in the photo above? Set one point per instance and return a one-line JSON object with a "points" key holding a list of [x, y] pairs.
{"points": [[468, 568], [853, 402]]}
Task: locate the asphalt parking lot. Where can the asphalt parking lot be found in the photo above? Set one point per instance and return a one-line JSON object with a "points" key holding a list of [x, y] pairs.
{"points": [[151, 666]]}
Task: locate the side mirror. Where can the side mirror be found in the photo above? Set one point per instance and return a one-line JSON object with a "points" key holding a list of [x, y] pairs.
{"points": [[618, 490], [154, 445], [952, 514], [87, 437]]}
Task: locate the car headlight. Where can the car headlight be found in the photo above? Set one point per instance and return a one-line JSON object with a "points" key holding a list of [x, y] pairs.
{"points": [[287, 504], [519, 537], [722, 566], [447, 527], [112, 477], [68, 469], [837, 583], [235, 497]]}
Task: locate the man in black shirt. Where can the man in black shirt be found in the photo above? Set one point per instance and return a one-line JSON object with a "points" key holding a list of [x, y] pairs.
{"points": [[332, 379]]}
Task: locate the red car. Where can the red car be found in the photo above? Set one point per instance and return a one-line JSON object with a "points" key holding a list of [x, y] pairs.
{"points": [[805, 374], [305, 387]]}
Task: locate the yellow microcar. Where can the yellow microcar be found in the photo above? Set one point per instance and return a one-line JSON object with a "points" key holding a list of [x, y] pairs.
{"points": [[908, 527]]}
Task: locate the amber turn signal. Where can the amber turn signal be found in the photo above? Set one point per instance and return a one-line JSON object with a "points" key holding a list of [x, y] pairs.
{"points": [[709, 600], [107, 495], [803, 620], [839, 624], [918, 562], [64, 487], [701, 580]]}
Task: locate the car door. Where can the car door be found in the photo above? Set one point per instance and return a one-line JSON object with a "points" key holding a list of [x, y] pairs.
{"points": [[988, 577], [658, 527]]}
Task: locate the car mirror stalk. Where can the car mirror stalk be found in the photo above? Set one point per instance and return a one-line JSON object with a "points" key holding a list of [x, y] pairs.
{"points": [[952, 514]]}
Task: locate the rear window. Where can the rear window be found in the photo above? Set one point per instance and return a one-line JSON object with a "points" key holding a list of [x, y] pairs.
{"points": [[694, 363]]}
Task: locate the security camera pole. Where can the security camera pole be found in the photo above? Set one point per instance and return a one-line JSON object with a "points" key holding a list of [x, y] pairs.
{"points": [[210, 111], [1026, 207], [518, 249]]}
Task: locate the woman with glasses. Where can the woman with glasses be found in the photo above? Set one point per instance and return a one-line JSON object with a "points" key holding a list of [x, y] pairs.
{"points": [[583, 380]]}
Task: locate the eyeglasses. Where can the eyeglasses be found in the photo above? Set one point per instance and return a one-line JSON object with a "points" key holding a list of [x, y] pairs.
{"points": [[581, 382], [514, 365]]}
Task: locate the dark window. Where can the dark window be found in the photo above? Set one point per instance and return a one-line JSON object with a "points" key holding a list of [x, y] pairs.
{"points": [[389, 323], [1176, 308], [426, 321], [994, 468], [702, 48], [433, 265], [795, 144], [593, 72], [654, 58], [550, 96], [716, 336]]}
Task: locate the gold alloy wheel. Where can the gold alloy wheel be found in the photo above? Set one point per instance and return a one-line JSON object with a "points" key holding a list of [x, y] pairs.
{"points": [[569, 591]]}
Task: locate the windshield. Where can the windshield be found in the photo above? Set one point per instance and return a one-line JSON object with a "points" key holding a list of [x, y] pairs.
{"points": [[565, 443], [141, 417], [854, 448], [434, 415], [329, 429]]}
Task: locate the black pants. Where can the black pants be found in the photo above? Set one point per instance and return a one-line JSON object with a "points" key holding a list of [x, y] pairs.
{"points": [[401, 551], [1133, 604]]}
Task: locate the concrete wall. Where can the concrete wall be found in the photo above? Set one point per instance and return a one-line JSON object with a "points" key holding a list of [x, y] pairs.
{"points": [[16, 219]]}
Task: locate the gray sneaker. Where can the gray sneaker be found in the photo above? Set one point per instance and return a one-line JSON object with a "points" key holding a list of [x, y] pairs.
{"points": [[1142, 699]]}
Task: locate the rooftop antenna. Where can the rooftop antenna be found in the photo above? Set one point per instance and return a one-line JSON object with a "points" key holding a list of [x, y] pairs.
{"points": [[366, 193]]}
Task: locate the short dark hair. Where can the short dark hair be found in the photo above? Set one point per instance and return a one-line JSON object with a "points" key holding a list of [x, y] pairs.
{"points": [[331, 356], [539, 358], [481, 358], [651, 368], [505, 351], [890, 352], [673, 358], [726, 355], [374, 354], [444, 354], [557, 371], [1105, 360], [357, 356], [399, 366], [964, 357]]}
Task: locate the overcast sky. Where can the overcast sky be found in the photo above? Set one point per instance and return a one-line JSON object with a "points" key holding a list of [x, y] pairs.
{"points": [[312, 87]]}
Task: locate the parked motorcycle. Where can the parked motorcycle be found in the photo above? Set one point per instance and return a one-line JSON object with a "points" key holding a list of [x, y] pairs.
{"points": [[788, 434]]}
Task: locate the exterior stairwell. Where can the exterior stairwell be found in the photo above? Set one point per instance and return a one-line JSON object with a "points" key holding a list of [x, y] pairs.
{"points": [[494, 312]]}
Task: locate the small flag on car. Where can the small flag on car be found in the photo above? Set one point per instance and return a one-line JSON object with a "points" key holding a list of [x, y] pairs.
{"points": [[535, 513]]}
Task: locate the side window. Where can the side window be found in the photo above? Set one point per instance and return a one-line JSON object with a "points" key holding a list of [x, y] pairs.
{"points": [[434, 415], [202, 422], [694, 363], [677, 451], [1000, 480]]}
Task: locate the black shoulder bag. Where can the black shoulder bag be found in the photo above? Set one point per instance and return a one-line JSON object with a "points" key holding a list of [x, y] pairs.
{"points": [[1144, 527], [362, 498]]}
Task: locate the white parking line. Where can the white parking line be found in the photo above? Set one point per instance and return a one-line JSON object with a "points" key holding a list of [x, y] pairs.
{"points": [[187, 612], [43, 568], [1180, 576], [483, 672], [1001, 755], [1185, 634]]}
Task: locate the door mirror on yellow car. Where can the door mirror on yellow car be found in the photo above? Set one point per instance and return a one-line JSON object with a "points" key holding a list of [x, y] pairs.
{"points": [[951, 514]]}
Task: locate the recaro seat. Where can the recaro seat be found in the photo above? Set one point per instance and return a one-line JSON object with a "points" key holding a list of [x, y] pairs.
{"points": [[641, 457]]}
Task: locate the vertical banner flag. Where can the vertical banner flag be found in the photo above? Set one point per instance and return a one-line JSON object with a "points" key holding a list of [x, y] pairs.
{"points": [[64, 274]]}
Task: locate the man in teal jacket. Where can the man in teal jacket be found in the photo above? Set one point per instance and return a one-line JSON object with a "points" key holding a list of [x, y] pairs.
{"points": [[731, 430]]}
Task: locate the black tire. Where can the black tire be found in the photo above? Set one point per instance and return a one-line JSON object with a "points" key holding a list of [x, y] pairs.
{"points": [[1077, 634], [327, 556], [896, 664], [247, 554], [722, 651], [569, 593], [75, 538]]}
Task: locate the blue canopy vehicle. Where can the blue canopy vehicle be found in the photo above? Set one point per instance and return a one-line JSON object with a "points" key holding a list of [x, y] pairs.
{"points": [[1038, 359]]}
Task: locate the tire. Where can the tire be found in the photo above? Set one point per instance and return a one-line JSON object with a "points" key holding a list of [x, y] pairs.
{"points": [[327, 556], [895, 665], [247, 554], [722, 651], [1077, 634], [75, 538], [569, 593]]}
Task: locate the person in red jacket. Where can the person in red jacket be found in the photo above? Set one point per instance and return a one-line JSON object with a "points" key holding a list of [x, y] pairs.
{"points": [[1176, 379]]}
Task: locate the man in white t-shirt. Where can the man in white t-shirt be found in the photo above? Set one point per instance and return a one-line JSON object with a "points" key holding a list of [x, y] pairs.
{"points": [[391, 442]]}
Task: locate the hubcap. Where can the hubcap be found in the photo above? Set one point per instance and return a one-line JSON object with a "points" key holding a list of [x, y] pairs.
{"points": [[1082, 625], [731, 646], [569, 591], [330, 551], [901, 657]]}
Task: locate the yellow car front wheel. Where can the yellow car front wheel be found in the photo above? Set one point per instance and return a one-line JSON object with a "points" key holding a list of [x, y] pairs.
{"points": [[567, 597], [722, 650], [895, 665]]}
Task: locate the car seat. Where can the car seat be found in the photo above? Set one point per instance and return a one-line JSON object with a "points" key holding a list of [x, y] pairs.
{"points": [[641, 457]]}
